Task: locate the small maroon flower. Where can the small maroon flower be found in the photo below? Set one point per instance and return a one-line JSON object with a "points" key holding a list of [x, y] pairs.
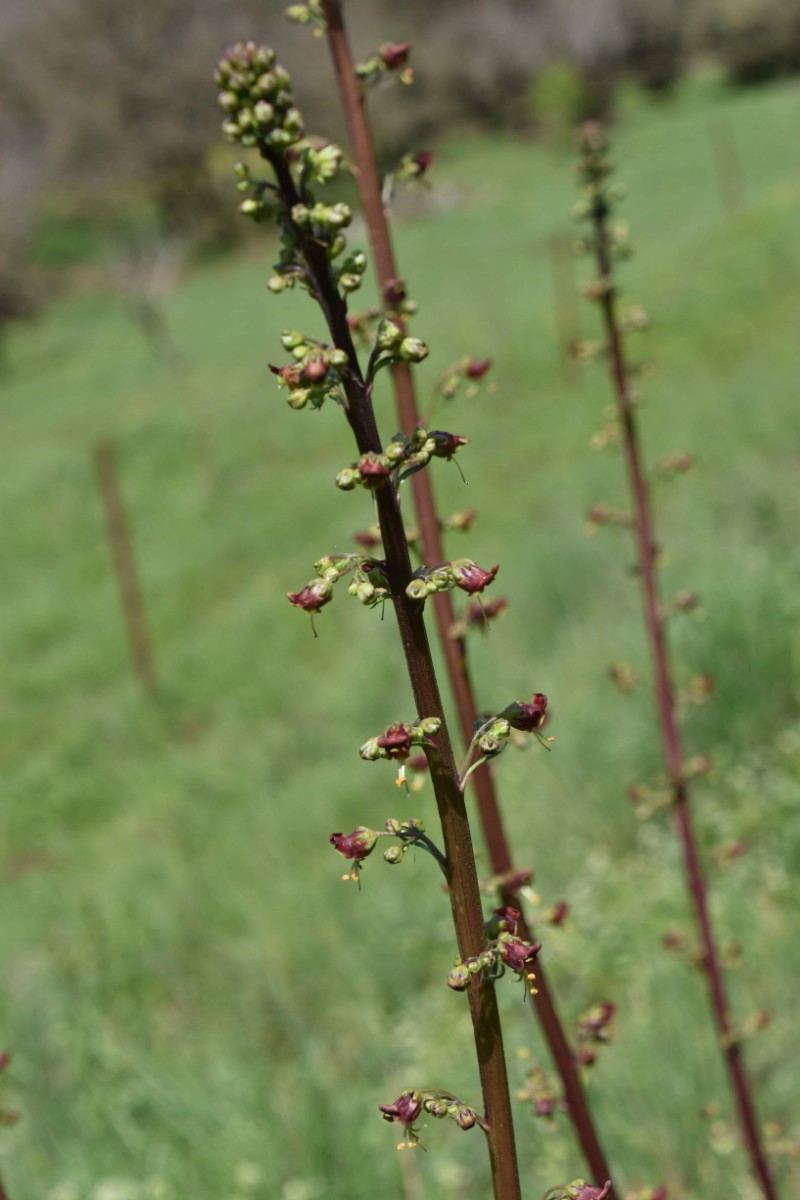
{"points": [[405, 1109], [289, 375], [446, 443], [466, 1117], [368, 539], [418, 762], [545, 1107], [596, 1021], [314, 596], [507, 918], [586, 1057], [476, 368], [315, 369], [479, 614], [585, 1191], [557, 915], [527, 717], [515, 953], [356, 845], [394, 55], [396, 741], [471, 578], [373, 470], [394, 292], [422, 161]]}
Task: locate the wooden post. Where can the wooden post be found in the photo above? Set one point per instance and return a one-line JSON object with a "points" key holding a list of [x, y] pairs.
{"points": [[121, 547], [727, 163], [566, 304]]}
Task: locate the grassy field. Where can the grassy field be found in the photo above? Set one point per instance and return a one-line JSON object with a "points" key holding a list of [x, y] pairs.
{"points": [[195, 1004]]}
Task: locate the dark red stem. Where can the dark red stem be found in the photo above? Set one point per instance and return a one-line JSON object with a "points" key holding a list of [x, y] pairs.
{"points": [[667, 718], [461, 872], [368, 180]]}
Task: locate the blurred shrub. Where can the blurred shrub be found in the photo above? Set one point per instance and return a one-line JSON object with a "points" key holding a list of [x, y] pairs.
{"points": [[559, 98], [755, 40]]}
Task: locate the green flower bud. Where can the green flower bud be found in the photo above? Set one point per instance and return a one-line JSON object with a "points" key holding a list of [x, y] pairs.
{"points": [[338, 215], [291, 339], [228, 100], [298, 13], [277, 283], [337, 358], [250, 208], [263, 112], [459, 978], [371, 751], [293, 121], [298, 397], [337, 246], [412, 349], [325, 163], [427, 727], [393, 855], [390, 335], [347, 479], [231, 130], [349, 282], [417, 589], [301, 215], [365, 592], [396, 452]]}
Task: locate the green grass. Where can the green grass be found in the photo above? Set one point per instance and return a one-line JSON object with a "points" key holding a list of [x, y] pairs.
{"points": [[195, 1004]]}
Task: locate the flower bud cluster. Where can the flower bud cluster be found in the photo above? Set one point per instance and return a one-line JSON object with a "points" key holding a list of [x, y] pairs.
{"points": [[462, 573], [389, 57], [465, 373], [316, 373], [255, 94], [392, 345], [579, 1189], [358, 845], [599, 196], [412, 167], [505, 949], [403, 455], [369, 584], [397, 740], [478, 615], [409, 1106], [309, 13], [595, 1028], [540, 1092]]}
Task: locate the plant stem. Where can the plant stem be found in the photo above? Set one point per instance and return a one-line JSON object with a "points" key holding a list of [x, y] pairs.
{"points": [[461, 874], [667, 715], [453, 648]]}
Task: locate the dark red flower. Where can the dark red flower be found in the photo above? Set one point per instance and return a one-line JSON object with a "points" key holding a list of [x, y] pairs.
{"points": [[471, 578], [314, 596], [396, 741], [446, 443], [289, 375], [405, 1109], [358, 844], [315, 369], [596, 1021], [373, 470], [479, 614], [422, 161], [557, 915], [585, 1191], [507, 918], [368, 539], [526, 717], [394, 55], [394, 292], [419, 762], [476, 368], [515, 952]]}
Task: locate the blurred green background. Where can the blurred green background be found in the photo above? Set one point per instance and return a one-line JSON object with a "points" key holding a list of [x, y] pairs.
{"points": [[196, 1005]]}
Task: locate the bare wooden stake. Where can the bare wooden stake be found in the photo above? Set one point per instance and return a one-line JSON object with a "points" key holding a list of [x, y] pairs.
{"points": [[727, 163], [566, 304], [121, 546]]}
